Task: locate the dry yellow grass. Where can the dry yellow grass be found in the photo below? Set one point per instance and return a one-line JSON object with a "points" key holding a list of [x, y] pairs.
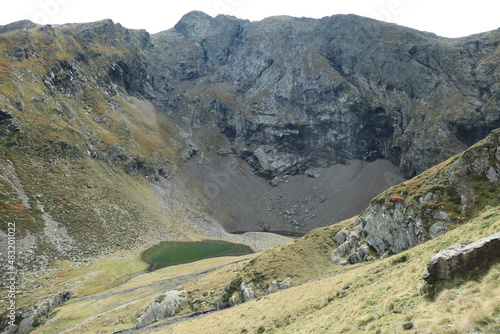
{"points": [[381, 296], [119, 307]]}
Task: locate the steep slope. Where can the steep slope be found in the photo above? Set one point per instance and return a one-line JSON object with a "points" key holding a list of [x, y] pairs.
{"points": [[286, 94], [374, 297], [292, 94], [80, 145], [432, 203], [414, 212], [295, 288]]}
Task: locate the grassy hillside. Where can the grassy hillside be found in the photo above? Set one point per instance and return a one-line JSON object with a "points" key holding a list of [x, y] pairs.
{"points": [[80, 144], [88, 166], [375, 297]]}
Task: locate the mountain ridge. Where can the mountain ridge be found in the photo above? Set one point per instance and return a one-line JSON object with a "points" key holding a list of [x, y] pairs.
{"points": [[114, 139]]}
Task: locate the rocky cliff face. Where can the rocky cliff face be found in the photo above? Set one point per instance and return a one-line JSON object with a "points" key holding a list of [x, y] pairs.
{"points": [[293, 93]]}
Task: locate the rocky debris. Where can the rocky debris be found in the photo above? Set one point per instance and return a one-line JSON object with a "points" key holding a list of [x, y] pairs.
{"points": [[276, 285], [164, 306], [56, 233], [238, 291], [35, 315], [350, 248], [191, 150], [464, 258], [272, 287], [5, 116], [313, 172], [285, 284], [8, 173]]}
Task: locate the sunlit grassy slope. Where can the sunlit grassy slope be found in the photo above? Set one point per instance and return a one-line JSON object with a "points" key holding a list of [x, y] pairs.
{"points": [[374, 297]]}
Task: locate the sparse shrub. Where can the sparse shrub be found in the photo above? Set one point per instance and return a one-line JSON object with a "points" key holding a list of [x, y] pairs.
{"points": [[400, 259], [428, 289], [261, 329]]}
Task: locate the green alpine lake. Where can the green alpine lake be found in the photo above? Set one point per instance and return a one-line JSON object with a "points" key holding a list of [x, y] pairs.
{"points": [[174, 253]]}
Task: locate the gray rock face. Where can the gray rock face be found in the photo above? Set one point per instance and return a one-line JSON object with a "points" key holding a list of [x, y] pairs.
{"points": [[285, 284], [300, 93], [276, 285], [392, 225], [464, 258], [232, 301], [437, 229], [341, 236], [39, 312], [247, 291], [163, 307], [392, 230], [350, 250]]}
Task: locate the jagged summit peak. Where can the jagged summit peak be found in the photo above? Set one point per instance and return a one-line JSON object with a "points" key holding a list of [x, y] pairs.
{"points": [[194, 24], [195, 14]]}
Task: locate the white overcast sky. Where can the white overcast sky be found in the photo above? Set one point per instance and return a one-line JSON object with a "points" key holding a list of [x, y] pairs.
{"points": [[448, 18]]}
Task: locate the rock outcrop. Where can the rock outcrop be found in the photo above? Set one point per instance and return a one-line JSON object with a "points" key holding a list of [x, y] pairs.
{"points": [[286, 94], [164, 306], [350, 248], [425, 207], [464, 258], [237, 291], [38, 313], [247, 291]]}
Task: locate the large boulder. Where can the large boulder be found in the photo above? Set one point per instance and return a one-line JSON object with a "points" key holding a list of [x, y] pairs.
{"points": [[164, 306], [464, 258]]}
